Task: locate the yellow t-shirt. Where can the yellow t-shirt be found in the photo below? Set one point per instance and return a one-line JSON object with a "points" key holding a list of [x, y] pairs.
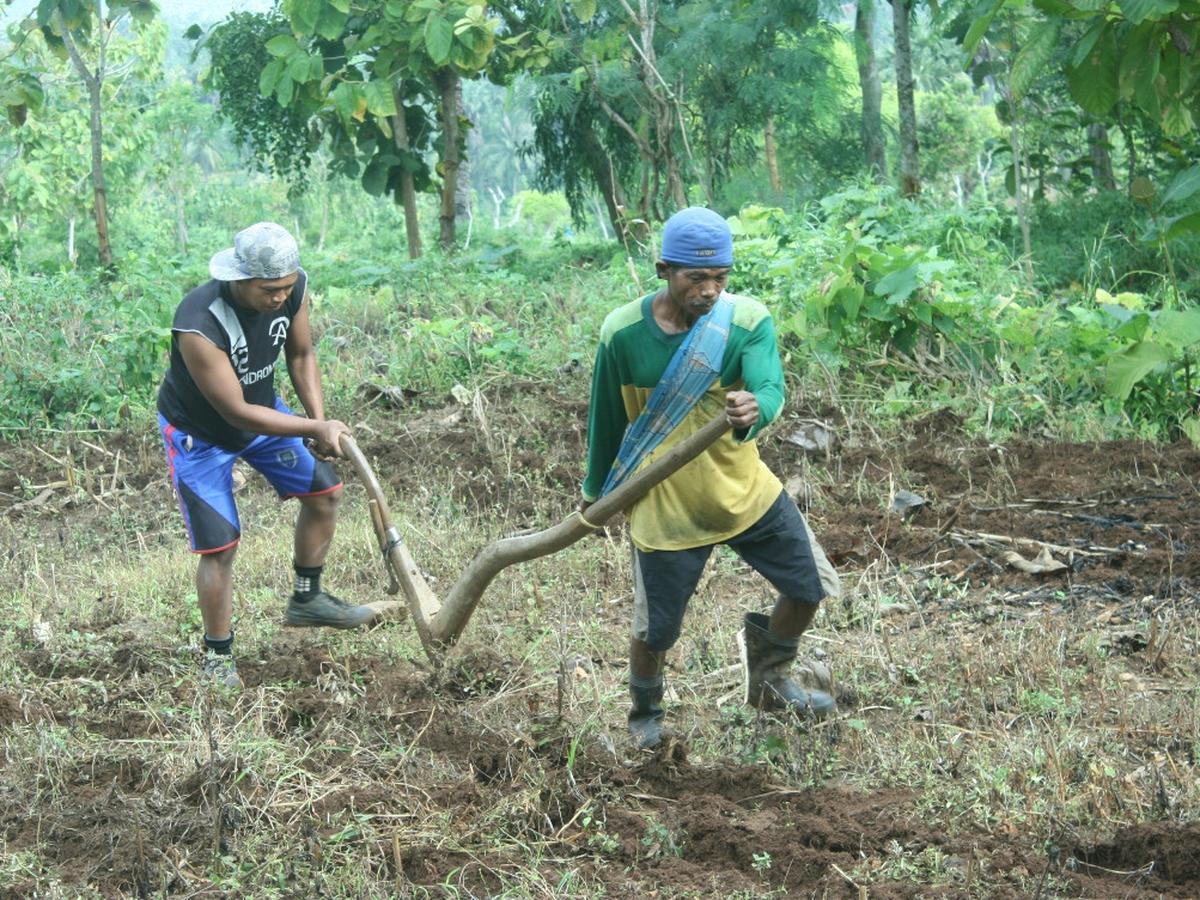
{"points": [[727, 488]]}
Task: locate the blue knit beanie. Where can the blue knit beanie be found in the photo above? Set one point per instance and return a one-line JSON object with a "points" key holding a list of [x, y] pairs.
{"points": [[697, 238]]}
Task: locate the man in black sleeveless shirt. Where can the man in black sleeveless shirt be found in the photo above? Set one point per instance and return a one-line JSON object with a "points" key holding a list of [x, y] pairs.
{"points": [[217, 404]]}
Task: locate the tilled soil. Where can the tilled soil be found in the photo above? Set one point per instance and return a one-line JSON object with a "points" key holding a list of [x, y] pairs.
{"points": [[1121, 519]]}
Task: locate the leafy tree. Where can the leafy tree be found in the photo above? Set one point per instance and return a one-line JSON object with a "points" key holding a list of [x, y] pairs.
{"points": [[957, 135], [84, 30], [364, 75], [645, 103], [1141, 52], [51, 146]]}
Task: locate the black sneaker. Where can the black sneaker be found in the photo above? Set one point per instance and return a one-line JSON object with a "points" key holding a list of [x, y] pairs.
{"points": [[220, 671], [323, 610]]}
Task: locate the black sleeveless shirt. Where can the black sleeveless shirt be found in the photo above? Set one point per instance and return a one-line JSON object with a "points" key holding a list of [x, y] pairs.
{"points": [[252, 341]]}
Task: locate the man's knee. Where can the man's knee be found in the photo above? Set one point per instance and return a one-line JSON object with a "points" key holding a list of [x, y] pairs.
{"points": [[219, 559], [660, 636], [323, 504]]}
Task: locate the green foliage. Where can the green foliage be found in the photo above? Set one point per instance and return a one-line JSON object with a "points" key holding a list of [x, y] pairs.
{"points": [[878, 275], [869, 278], [1139, 52], [1097, 241], [76, 352], [275, 133]]}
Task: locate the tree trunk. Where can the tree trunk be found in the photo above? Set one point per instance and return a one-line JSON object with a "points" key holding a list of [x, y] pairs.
{"points": [[910, 165], [603, 174], [498, 201], [874, 146], [772, 158], [447, 81], [600, 219], [1018, 158], [1018, 161], [94, 82], [1130, 148], [1102, 168], [71, 254], [462, 195], [407, 189]]}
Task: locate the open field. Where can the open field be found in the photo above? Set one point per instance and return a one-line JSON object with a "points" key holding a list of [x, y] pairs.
{"points": [[1004, 733]]}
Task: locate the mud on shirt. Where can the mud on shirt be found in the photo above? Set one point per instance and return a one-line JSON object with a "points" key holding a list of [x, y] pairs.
{"points": [[252, 342]]}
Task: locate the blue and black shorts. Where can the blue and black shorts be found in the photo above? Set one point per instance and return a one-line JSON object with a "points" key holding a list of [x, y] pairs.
{"points": [[202, 475], [779, 546]]}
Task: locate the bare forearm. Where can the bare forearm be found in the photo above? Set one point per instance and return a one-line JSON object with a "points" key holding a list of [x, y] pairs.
{"points": [[306, 379], [264, 420]]}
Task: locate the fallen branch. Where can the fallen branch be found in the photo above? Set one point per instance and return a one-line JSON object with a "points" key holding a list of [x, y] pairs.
{"points": [[983, 537]]}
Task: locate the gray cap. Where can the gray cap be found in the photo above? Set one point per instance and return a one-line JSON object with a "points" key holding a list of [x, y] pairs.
{"points": [[264, 250]]}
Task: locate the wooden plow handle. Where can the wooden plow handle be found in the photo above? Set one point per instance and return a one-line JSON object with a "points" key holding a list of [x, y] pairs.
{"points": [[468, 590], [439, 626], [402, 571]]}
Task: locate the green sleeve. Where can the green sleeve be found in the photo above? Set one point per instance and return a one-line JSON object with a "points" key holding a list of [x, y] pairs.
{"points": [[762, 372], [606, 421]]}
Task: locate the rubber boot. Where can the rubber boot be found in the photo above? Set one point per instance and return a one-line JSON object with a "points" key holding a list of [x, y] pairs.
{"points": [[766, 661], [646, 713]]}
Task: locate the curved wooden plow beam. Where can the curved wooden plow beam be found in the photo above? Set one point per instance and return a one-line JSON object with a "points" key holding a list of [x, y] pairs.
{"points": [[439, 625]]}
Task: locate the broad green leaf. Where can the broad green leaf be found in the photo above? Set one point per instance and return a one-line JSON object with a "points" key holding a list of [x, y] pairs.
{"points": [[375, 176], [1145, 88], [1181, 226], [331, 21], [298, 67], [285, 90], [584, 9], [345, 99], [1033, 57], [1183, 185], [984, 13], [1087, 43], [898, 285], [380, 99], [1130, 366], [282, 45], [1093, 84], [137, 8], [1179, 328], [421, 10], [850, 299], [1139, 59], [1134, 328], [1176, 118], [269, 77], [1137, 11], [439, 37], [306, 14]]}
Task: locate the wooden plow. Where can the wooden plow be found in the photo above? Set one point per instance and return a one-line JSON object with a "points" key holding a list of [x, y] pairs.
{"points": [[439, 624]]}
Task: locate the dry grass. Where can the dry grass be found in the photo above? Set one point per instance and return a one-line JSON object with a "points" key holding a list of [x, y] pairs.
{"points": [[348, 767]]}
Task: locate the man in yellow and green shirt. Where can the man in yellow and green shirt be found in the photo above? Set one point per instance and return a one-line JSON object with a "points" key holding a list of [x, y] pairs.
{"points": [[726, 495]]}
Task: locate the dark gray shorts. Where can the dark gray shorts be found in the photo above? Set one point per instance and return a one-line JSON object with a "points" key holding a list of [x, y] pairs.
{"points": [[779, 546]]}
